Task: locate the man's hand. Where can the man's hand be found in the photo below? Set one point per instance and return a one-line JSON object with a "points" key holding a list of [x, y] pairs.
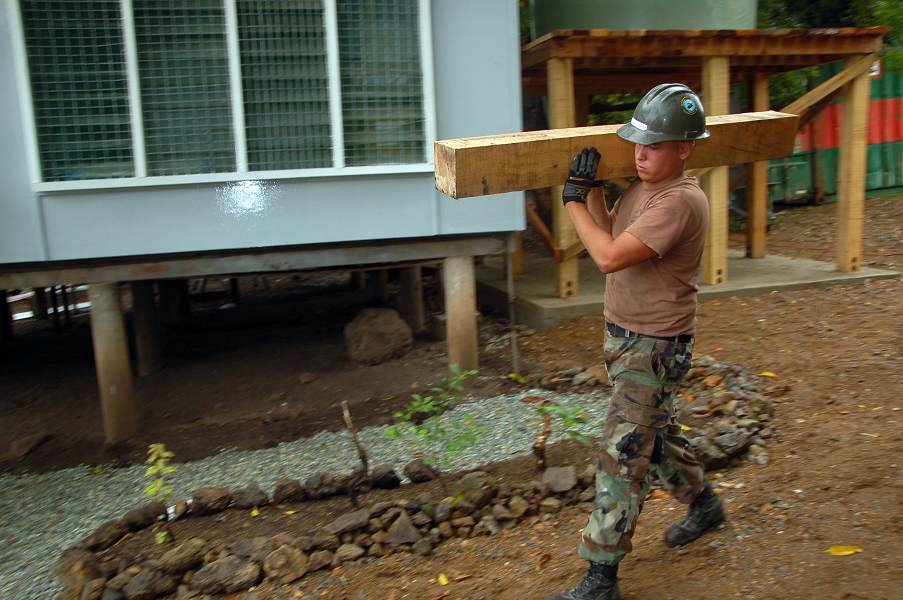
{"points": [[582, 176]]}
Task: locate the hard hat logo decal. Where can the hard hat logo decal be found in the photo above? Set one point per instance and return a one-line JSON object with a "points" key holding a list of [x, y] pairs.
{"points": [[689, 105]]}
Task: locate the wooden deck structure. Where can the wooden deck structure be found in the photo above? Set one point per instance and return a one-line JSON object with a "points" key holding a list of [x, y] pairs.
{"points": [[570, 66]]}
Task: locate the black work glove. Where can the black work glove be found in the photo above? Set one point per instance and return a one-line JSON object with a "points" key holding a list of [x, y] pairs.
{"points": [[582, 176]]}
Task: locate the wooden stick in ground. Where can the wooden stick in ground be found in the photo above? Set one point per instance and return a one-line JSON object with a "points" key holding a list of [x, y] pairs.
{"points": [[539, 447], [359, 476]]}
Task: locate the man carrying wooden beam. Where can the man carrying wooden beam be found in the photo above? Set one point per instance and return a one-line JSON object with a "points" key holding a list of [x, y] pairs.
{"points": [[650, 246]]}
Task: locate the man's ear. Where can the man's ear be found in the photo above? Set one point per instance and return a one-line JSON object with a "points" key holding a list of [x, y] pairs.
{"points": [[685, 149]]}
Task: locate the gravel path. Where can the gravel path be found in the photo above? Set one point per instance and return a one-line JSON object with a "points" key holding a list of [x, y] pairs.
{"points": [[40, 515]]}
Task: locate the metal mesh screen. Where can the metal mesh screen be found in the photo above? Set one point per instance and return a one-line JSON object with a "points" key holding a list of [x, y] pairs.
{"points": [[79, 89], [286, 85], [185, 94], [382, 94]]}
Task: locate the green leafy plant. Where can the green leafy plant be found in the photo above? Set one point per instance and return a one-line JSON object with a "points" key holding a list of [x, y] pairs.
{"points": [[422, 423], [158, 471]]}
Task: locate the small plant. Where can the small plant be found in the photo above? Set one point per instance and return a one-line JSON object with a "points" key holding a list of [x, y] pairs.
{"points": [[421, 421], [159, 470], [571, 417]]}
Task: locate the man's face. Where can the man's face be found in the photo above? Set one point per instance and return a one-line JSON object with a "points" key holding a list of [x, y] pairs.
{"points": [[662, 161]]}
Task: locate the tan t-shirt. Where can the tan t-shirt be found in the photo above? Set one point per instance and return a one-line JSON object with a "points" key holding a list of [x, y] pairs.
{"points": [[658, 296]]}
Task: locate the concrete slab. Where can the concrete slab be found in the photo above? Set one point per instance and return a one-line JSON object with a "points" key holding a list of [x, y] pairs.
{"points": [[536, 306]]}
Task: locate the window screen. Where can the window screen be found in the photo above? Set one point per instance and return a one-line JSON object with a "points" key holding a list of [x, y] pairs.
{"points": [[382, 93], [286, 85], [79, 89], [185, 95]]}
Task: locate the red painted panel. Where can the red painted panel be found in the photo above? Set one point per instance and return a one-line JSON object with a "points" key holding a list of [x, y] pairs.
{"points": [[885, 125]]}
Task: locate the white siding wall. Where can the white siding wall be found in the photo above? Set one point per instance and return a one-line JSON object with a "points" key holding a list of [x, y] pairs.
{"points": [[477, 84]]}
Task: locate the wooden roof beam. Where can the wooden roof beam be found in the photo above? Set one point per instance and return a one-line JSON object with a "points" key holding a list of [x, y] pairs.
{"points": [[487, 165]]}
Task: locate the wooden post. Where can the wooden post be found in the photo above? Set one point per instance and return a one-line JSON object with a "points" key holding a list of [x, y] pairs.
{"points": [[6, 318], [378, 285], [517, 255], [716, 99], [147, 333], [561, 114], [757, 188], [851, 173], [410, 299], [111, 359], [175, 305], [460, 311], [39, 303]]}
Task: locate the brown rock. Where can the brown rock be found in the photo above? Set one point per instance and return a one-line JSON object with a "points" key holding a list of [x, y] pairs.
{"points": [[403, 531], [93, 590], [377, 335], [180, 509], [419, 472], [550, 505], [319, 560], [444, 510], [379, 509], [463, 522], [185, 556], [376, 550], [104, 536], [346, 553], [256, 548], [445, 529], [712, 381], [226, 575], [384, 477], [143, 516], [27, 444], [486, 526], [421, 519], [75, 567], [518, 506], [422, 547], [477, 488], [206, 501], [285, 564], [500, 513], [149, 584], [249, 497], [288, 490], [119, 581], [352, 521], [325, 540], [587, 477], [559, 479]]}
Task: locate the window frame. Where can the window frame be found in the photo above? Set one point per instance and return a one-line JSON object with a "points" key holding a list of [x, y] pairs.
{"points": [[242, 173]]}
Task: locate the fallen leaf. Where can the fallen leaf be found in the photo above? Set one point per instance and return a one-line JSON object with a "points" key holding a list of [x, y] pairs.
{"points": [[768, 374], [255, 512], [543, 560], [685, 427], [442, 579], [462, 577], [843, 550], [871, 435], [290, 512]]}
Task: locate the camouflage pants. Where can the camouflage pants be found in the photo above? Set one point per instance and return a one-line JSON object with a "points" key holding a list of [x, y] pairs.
{"points": [[641, 442]]}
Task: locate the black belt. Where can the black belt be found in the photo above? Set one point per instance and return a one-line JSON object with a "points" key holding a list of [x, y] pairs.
{"points": [[618, 331]]}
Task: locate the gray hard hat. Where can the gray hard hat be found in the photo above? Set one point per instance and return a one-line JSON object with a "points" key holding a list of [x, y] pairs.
{"points": [[668, 112]]}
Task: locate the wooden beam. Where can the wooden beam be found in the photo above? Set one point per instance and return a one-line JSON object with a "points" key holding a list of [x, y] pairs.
{"points": [[560, 78], [147, 328], [716, 99], [535, 159], [111, 360], [757, 189], [410, 298], [851, 173], [459, 283], [853, 69]]}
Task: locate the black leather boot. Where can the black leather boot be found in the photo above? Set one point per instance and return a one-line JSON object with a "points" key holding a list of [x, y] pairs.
{"points": [[705, 513], [600, 583]]}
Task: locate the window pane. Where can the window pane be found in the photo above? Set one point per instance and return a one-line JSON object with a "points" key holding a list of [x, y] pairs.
{"points": [[286, 85], [185, 93], [382, 94], [79, 89]]}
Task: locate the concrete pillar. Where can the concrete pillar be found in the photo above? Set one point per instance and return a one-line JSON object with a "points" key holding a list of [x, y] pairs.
{"points": [[147, 331], [410, 300], [111, 359], [461, 311]]}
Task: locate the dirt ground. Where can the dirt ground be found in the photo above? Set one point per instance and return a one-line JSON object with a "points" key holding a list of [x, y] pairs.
{"points": [[833, 476]]}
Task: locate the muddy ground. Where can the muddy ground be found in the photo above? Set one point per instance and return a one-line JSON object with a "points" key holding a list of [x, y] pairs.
{"points": [[234, 379]]}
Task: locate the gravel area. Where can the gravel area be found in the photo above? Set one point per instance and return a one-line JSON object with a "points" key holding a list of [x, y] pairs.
{"points": [[40, 515]]}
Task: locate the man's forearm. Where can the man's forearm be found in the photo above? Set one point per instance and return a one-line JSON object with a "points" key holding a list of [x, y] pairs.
{"points": [[595, 237], [595, 204]]}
